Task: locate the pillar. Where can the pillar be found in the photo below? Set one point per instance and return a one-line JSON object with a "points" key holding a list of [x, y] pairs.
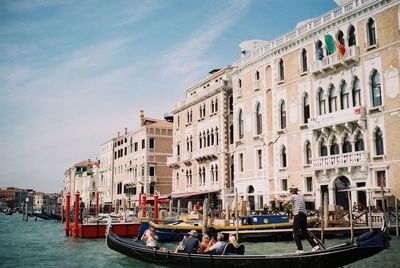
{"points": [[67, 215], [143, 206], [76, 216], [156, 208]]}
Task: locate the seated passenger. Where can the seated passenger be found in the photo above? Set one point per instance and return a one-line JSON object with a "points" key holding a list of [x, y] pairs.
{"points": [[191, 243], [233, 240], [219, 246], [150, 238], [205, 241]]}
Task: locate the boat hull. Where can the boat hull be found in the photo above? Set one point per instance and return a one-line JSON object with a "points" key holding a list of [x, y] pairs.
{"points": [[332, 257]]}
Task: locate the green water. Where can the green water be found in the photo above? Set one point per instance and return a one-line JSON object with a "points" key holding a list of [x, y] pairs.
{"points": [[43, 244]]}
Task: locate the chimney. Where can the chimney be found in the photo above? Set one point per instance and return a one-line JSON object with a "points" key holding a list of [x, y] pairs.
{"points": [[126, 130], [118, 134], [141, 118]]}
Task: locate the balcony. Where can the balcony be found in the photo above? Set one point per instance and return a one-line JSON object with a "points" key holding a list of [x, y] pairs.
{"points": [[339, 161], [336, 118], [186, 158], [256, 85], [152, 179], [173, 161], [334, 61], [209, 153]]}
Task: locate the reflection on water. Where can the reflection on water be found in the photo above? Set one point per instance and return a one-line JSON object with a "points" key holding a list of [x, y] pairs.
{"points": [[43, 244]]}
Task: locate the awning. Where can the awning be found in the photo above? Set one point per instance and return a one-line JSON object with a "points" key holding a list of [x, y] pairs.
{"points": [[189, 194]]}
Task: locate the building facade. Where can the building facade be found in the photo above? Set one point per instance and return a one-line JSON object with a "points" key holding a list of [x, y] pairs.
{"points": [[140, 162], [319, 108], [201, 159], [105, 178]]}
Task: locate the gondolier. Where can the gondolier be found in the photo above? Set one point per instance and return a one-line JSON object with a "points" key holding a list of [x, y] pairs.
{"points": [[300, 220]]}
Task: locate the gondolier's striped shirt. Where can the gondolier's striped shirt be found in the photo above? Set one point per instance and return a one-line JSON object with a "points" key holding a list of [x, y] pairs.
{"points": [[298, 204]]}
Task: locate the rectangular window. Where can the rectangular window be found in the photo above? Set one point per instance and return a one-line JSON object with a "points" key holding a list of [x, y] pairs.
{"points": [[151, 171], [143, 144], [284, 185], [241, 162], [309, 184], [151, 143], [136, 146], [259, 159], [381, 178], [142, 170]]}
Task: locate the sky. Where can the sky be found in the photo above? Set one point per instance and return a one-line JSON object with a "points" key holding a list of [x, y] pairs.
{"points": [[74, 73]]}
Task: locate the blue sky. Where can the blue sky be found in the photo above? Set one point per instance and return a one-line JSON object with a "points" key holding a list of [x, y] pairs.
{"points": [[74, 73]]}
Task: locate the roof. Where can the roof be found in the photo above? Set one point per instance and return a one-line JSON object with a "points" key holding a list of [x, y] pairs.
{"points": [[157, 122], [85, 163]]}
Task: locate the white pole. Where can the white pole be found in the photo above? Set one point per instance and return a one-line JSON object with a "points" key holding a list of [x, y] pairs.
{"points": [[397, 217], [237, 215]]}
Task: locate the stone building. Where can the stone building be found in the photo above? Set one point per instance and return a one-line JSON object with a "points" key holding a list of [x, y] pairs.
{"points": [[319, 108]]}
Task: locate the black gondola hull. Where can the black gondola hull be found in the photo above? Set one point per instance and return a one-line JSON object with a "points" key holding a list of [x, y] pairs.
{"points": [[332, 257]]}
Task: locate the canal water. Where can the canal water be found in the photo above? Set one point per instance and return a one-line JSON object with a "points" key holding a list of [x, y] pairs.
{"points": [[43, 244]]}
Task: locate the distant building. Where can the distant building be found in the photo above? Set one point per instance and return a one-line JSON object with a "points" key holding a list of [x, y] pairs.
{"points": [[105, 177]]}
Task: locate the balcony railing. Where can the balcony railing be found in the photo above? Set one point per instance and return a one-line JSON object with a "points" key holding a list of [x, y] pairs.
{"points": [[186, 156], [336, 118], [210, 152], [173, 160], [333, 60], [342, 160]]}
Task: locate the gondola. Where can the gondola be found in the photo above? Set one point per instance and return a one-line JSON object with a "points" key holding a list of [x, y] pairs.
{"points": [[366, 246]]}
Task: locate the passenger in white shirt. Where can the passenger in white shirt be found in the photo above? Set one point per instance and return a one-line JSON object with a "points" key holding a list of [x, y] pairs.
{"points": [[150, 238]]}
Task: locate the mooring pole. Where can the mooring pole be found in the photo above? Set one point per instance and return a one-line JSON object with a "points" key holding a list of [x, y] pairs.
{"points": [[97, 204], [155, 208], [143, 206], [67, 215], [76, 216]]}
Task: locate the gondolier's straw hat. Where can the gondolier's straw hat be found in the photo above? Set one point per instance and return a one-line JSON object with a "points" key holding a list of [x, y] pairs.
{"points": [[193, 233], [294, 190]]}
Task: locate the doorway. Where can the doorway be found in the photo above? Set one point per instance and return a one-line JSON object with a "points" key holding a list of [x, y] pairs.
{"points": [[342, 183]]}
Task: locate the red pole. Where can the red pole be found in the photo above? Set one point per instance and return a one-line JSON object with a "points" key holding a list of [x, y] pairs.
{"points": [[156, 208], [67, 209], [97, 203], [143, 206], [76, 215]]}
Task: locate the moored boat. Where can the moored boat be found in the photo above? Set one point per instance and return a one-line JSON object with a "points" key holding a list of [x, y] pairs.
{"points": [[177, 230], [366, 245]]}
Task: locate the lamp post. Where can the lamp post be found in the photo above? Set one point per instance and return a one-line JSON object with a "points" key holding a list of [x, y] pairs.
{"points": [[26, 208]]}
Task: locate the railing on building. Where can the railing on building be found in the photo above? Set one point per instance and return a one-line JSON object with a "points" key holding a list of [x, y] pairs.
{"points": [[206, 153], [333, 60], [336, 118], [341, 160]]}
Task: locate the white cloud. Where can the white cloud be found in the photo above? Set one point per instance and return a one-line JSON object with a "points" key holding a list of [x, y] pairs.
{"points": [[186, 59]]}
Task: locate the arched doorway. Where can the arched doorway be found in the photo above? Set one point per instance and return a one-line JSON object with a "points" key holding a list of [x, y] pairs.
{"points": [[250, 192], [342, 183]]}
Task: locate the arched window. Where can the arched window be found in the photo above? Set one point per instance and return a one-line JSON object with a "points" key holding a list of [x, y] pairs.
{"points": [[379, 142], [258, 119], [204, 109], [320, 51], [204, 176], [281, 70], [190, 177], [230, 103], [371, 34], [376, 89], [359, 144], [212, 106], [231, 136], [216, 105], [352, 36], [321, 101], [187, 179], [306, 108], [323, 149], [204, 139], [356, 92], [283, 155], [340, 37], [334, 147], [212, 173], [346, 147], [177, 181], [212, 136], [200, 141], [344, 96], [241, 125], [257, 76], [308, 152], [216, 135], [208, 138], [283, 114], [240, 83], [303, 60], [332, 99], [216, 173], [191, 143]]}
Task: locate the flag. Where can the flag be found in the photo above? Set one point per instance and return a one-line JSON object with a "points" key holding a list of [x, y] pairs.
{"points": [[319, 52], [330, 44], [340, 48]]}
